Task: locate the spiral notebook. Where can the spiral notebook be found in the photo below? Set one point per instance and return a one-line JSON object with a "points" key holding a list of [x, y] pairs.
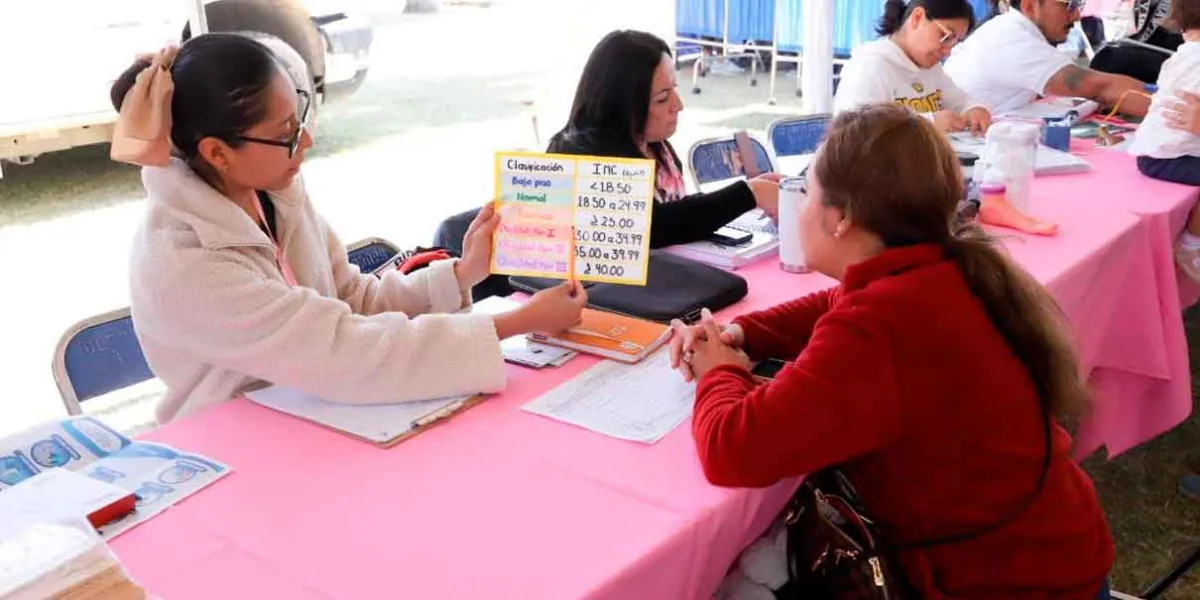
{"points": [[384, 425], [609, 335]]}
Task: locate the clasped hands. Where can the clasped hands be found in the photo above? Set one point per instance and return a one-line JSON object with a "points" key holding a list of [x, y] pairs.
{"points": [[698, 349]]}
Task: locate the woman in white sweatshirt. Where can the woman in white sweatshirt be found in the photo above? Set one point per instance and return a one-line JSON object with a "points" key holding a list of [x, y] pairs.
{"points": [[235, 278], [905, 65]]}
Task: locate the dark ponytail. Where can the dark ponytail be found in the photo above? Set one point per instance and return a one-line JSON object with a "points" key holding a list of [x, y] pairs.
{"points": [[896, 12], [220, 84], [120, 88], [1027, 317]]}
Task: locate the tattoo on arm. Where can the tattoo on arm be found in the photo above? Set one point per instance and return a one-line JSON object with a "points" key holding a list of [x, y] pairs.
{"points": [[1073, 77], [1073, 80]]}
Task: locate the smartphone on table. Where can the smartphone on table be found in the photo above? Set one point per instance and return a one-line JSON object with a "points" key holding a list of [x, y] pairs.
{"points": [[730, 237], [767, 369]]}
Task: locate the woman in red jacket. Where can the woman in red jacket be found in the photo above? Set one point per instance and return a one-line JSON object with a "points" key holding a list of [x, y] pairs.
{"points": [[928, 376]]}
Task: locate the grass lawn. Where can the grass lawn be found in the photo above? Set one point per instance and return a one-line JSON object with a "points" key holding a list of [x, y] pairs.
{"points": [[1152, 524]]}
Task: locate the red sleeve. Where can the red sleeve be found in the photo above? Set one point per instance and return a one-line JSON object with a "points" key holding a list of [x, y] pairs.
{"points": [[782, 331], [837, 401]]}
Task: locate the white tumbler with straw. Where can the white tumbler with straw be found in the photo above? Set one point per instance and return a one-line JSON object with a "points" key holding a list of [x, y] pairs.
{"points": [[791, 203]]}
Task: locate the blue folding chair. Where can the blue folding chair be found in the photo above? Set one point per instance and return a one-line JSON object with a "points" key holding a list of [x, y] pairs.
{"points": [[791, 136], [717, 159], [97, 356], [370, 254]]}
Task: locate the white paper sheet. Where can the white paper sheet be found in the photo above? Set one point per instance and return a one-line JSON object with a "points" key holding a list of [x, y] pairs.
{"points": [[160, 475], [640, 402], [794, 165], [755, 221], [380, 423], [1055, 108], [53, 495]]}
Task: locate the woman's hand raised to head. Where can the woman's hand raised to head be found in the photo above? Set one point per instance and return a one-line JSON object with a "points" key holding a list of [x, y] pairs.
{"points": [[766, 193], [476, 261]]}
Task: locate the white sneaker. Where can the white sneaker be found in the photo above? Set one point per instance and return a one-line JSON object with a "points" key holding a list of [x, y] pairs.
{"points": [[1188, 260]]}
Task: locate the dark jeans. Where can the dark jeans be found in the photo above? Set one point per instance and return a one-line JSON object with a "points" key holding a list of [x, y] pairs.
{"points": [[1105, 592], [1185, 169], [450, 236]]}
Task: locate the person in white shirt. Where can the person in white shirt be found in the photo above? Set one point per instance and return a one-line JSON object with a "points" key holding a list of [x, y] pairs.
{"points": [[1168, 142], [1011, 60], [904, 65]]}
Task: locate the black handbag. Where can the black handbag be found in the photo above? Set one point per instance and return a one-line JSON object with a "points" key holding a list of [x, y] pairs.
{"points": [[1128, 57], [834, 550], [676, 288]]}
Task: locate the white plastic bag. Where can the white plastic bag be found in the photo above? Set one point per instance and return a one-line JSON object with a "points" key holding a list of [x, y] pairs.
{"points": [[761, 568]]}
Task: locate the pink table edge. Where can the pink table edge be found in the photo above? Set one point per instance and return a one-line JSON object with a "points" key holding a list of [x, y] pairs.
{"points": [[739, 516]]}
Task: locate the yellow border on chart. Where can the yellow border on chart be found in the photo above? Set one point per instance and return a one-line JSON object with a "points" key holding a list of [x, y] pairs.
{"points": [[500, 156]]}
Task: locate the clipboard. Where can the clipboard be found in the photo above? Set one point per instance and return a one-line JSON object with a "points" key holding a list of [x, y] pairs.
{"points": [[383, 425]]}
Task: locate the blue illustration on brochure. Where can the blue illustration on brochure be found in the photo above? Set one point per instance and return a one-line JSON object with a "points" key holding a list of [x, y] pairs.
{"points": [[158, 474], [53, 452], [15, 468]]}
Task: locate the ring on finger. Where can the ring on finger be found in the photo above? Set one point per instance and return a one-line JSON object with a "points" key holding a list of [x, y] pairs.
{"points": [[687, 356]]}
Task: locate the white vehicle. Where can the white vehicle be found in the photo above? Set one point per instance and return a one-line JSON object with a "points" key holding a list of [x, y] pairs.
{"points": [[61, 57]]}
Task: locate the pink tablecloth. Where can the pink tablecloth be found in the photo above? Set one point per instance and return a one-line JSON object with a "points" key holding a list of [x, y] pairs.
{"points": [[499, 503], [1143, 382]]}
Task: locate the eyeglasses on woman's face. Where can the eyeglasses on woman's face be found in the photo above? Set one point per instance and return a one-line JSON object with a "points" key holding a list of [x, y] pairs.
{"points": [[949, 39], [292, 143]]}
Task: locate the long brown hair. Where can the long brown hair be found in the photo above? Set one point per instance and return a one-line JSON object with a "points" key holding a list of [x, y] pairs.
{"points": [[895, 175]]}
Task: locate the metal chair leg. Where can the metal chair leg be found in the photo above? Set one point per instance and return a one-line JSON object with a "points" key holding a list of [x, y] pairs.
{"points": [[1179, 570], [754, 64], [774, 73]]}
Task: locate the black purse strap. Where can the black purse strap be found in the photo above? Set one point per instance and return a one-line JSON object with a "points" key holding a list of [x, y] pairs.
{"points": [[962, 537], [1148, 25]]}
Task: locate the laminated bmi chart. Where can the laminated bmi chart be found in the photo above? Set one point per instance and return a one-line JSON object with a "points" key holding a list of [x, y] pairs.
{"points": [[564, 215]]}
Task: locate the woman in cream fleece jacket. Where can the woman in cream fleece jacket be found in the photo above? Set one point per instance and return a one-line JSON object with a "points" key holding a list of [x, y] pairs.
{"points": [[235, 278]]}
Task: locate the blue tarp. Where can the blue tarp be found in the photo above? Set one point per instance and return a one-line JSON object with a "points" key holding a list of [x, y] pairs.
{"points": [[749, 20], [982, 10], [854, 21], [752, 20], [700, 18]]}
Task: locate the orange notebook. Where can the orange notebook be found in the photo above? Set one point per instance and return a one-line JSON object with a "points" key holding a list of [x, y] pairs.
{"points": [[621, 338]]}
